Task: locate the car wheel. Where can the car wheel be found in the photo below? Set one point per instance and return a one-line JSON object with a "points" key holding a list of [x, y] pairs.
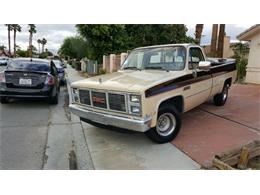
{"points": [[4, 100], [54, 100], [168, 125], [221, 98]]}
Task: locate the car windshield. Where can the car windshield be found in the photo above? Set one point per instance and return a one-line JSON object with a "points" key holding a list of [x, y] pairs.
{"points": [[29, 65], [163, 58], [58, 63]]}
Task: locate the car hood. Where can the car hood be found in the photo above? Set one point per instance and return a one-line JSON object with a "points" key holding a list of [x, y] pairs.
{"points": [[127, 80]]}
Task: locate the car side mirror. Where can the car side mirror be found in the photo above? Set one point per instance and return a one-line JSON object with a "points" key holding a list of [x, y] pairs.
{"points": [[204, 65]]}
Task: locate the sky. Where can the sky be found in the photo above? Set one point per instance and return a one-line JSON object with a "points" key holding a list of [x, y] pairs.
{"points": [[55, 34]]}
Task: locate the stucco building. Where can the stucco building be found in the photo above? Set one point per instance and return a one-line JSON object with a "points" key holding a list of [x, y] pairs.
{"points": [[253, 67]]}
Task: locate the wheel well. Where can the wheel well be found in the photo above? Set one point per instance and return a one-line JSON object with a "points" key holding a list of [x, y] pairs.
{"points": [[228, 81], [177, 101]]}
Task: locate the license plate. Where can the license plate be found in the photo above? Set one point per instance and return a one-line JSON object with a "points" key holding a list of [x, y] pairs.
{"points": [[25, 81]]}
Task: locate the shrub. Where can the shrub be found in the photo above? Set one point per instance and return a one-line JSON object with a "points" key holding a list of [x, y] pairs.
{"points": [[241, 69], [102, 71]]}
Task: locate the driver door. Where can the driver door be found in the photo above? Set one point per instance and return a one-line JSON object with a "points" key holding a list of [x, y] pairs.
{"points": [[199, 87]]}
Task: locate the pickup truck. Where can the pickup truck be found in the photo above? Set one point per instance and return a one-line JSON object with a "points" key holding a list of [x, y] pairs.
{"points": [[153, 88]]}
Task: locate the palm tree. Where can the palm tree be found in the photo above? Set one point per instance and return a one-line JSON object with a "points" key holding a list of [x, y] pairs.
{"points": [[39, 41], [9, 37], [44, 41], [32, 30], [214, 38], [198, 32], [221, 37], [15, 28]]}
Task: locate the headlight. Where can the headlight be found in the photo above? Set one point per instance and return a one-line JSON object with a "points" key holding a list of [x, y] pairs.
{"points": [[134, 102], [135, 110], [135, 98], [75, 94]]}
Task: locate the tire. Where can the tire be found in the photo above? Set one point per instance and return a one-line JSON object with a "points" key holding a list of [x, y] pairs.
{"points": [[167, 116], [54, 100], [4, 100], [221, 98]]}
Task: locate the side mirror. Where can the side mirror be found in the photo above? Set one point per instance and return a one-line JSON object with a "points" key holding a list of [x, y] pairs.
{"points": [[204, 65]]}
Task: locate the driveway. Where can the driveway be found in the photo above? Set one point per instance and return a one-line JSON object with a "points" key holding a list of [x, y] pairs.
{"points": [[209, 130]]}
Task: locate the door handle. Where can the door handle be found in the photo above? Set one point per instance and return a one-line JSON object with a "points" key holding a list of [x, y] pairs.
{"points": [[186, 88]]}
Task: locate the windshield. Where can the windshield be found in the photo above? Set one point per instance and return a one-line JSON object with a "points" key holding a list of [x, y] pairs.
{"points": [[58, 63], [29, 65], [164, 58]]}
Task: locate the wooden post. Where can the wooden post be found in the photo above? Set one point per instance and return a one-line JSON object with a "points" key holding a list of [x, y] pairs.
{"points": [[244, 157], [221, 165]]}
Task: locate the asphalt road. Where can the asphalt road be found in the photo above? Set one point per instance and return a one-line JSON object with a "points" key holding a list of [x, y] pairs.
{"points": [[24, 126]]}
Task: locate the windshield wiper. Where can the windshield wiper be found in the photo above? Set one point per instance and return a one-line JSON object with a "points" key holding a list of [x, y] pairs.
{"points": [[154, 67], [131, 68]]}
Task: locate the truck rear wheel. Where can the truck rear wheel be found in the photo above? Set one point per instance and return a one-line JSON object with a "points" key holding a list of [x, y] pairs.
{"points": [[168, 125], [221, 98]]}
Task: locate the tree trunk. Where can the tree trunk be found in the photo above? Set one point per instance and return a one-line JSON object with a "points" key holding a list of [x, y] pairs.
{"points": [[39, 48], [9, 39], [221, 40], [14, 43], [198, 32], [42, 48], [214, 37], [30, 45]]}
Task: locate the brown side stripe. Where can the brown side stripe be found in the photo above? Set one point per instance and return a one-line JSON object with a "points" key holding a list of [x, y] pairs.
{"points": [[189, 79]]}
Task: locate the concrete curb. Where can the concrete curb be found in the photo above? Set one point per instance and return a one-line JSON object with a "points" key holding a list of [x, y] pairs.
{"points": [[83, 157]]}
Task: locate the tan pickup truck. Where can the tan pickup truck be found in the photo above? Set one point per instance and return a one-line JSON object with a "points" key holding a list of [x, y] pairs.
{"points": [[154, 87]]}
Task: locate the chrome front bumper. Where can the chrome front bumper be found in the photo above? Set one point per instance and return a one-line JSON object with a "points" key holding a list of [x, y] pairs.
{"points": [[111, 120]]}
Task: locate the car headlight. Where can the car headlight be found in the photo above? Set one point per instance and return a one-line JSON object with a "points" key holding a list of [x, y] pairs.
{"points": [[134, 102], [75, 94], [135, 98], [135, 110]]}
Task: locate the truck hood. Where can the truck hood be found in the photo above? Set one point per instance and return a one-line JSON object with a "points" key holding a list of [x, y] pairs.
{"points": [[127, 80]]}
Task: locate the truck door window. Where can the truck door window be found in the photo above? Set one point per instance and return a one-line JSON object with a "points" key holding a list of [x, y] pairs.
{"points": [[195, 56]]}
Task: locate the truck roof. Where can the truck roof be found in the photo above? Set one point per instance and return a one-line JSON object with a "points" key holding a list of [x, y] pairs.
{"points": [[168, 45]]}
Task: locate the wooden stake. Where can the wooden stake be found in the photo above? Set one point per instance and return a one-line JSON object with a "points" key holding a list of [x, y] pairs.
{"points": [[244, 157], [221, 165]]}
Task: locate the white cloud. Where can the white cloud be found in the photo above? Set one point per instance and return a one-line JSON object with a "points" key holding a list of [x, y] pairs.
{"points": [[54, 33]]}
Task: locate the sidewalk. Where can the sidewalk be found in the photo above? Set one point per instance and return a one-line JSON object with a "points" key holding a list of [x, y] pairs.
{"points": [[116, 150]]}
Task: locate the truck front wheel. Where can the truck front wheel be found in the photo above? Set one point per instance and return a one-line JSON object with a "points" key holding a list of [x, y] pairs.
{"points": [[4, 100], [221, 98], [168, 125]]}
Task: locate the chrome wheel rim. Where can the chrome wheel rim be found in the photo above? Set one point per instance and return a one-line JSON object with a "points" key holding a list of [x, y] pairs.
{"points": [[166, 124], [225, 94]]}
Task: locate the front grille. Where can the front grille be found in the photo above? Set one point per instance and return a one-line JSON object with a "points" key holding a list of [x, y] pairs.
{"points": [[104, 100], [99, 99], [84, 97], [117, 102]]}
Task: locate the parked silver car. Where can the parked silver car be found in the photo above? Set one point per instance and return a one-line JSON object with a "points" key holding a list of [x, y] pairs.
{"points": [[4, 61]]}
